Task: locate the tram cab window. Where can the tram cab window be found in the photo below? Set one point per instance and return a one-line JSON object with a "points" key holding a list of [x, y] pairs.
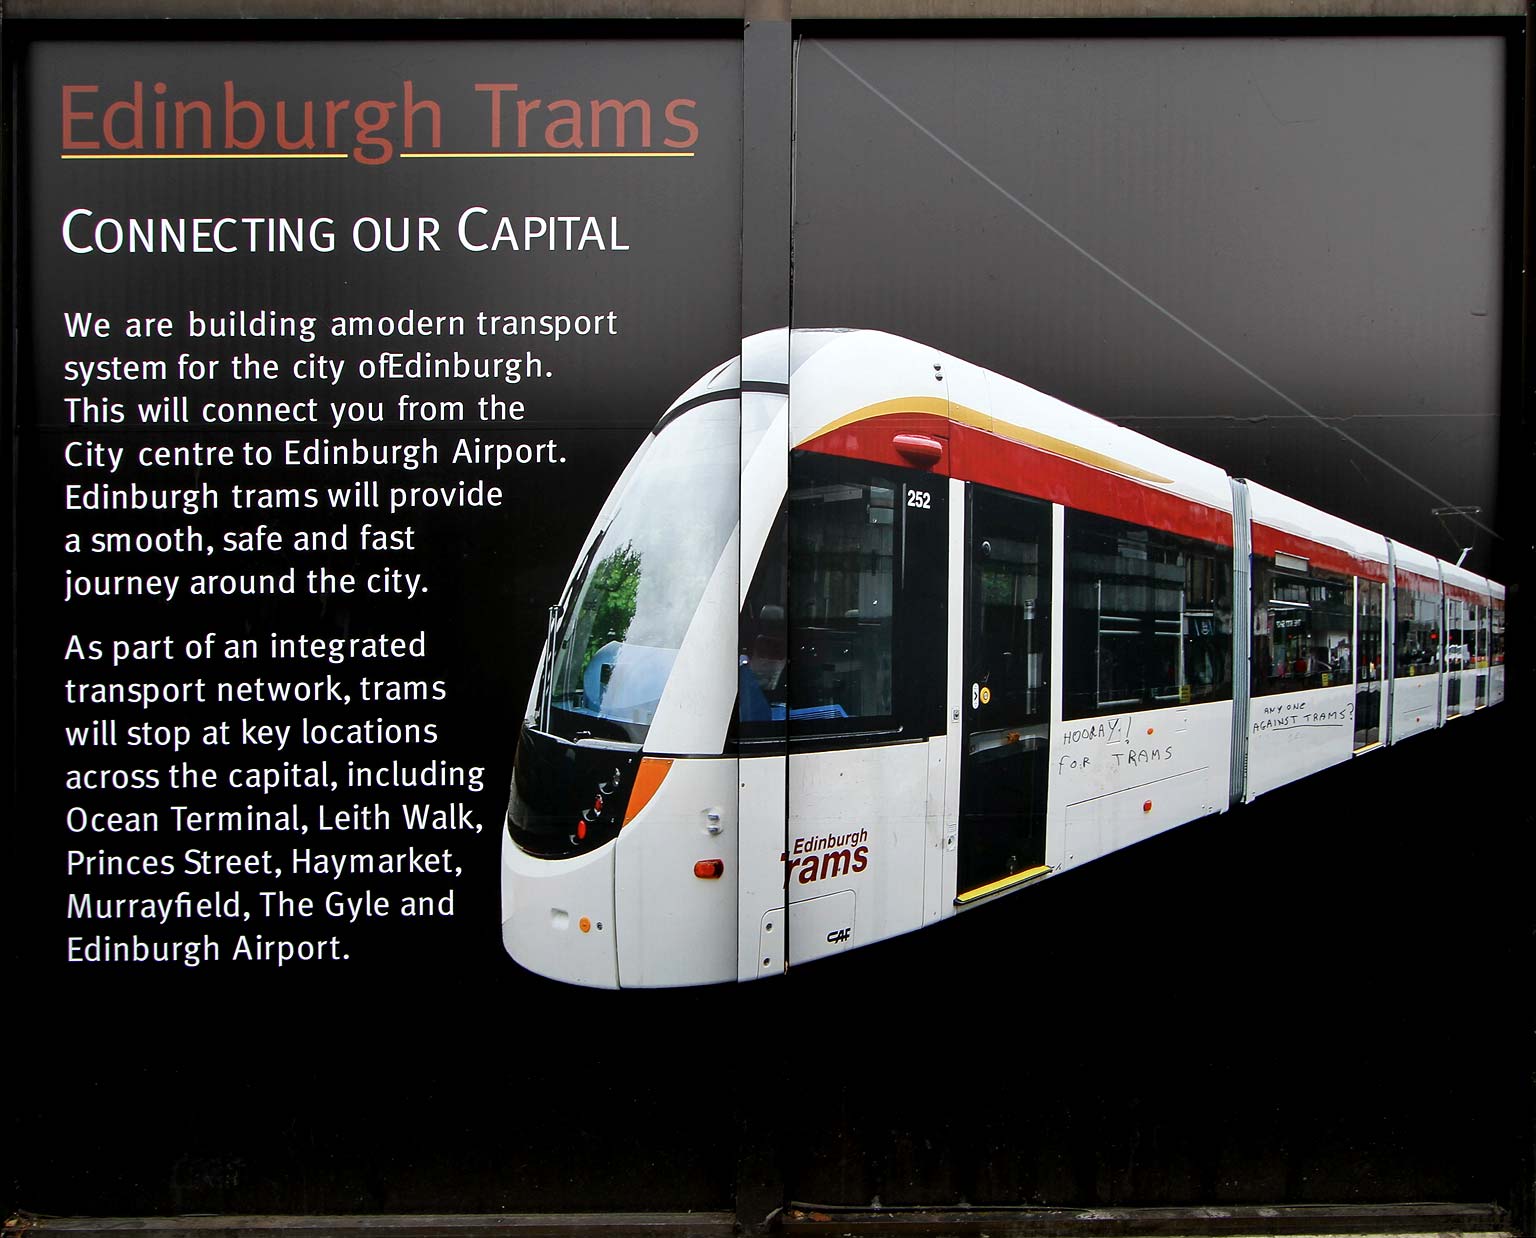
{"points": [[1302, 625], [845, 608], [634, 596], [1149, 618]]}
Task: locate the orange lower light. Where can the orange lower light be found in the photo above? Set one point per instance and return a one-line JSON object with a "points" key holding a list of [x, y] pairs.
{"points": [[648, 779], [709, 869], [584, 924]]}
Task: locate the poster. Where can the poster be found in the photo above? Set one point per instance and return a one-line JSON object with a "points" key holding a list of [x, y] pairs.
{"points": [[331, 350]]}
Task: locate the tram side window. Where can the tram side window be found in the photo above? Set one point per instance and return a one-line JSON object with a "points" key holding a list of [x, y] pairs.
{"points": [[847, 592], [1417, 632], [1497, 648], [763, 664], [842, 581], [1301, 628], [1149, 618]]}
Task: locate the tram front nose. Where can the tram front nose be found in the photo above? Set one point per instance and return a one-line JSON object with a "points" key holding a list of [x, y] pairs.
{"points": [[557, 916]]}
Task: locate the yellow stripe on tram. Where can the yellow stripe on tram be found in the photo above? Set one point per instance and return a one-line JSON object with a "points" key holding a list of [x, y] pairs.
{"points": [[993, 887]]}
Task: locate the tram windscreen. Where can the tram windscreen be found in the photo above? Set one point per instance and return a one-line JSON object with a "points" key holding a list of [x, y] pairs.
{"points": [[638, 591]]}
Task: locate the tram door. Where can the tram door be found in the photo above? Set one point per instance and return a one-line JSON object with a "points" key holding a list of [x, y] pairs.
{"points": [[1368, 662], [1479, 655], [1454, 657], [1006, 693]]}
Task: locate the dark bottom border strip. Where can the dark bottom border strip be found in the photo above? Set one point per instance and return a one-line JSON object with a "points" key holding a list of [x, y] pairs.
{"points": [[810, 1219], [499, 1225]]}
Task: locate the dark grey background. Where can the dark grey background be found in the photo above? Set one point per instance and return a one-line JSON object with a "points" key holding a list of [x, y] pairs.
{"points": [[1328, 212]]}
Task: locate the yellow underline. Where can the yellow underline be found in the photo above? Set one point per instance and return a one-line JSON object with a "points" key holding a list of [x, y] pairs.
{"points": [[547, 154], [252, 155], [466, 154]]}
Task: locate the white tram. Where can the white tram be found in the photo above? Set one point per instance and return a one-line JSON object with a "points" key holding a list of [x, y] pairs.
{"points": [[832, 668]]}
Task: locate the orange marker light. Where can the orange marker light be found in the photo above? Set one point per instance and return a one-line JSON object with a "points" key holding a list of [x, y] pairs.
{"points": [[647, 782], [709, 869], [584, 924]]}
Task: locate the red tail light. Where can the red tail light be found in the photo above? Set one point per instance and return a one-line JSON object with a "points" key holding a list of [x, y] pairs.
{"points": [[921, 449]]}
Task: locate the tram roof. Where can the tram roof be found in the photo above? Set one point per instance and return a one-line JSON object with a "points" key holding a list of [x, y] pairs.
{"points": [[845, 372]]}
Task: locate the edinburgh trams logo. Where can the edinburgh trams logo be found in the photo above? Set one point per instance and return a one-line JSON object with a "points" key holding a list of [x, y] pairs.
{"points": [[824, 856]]}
